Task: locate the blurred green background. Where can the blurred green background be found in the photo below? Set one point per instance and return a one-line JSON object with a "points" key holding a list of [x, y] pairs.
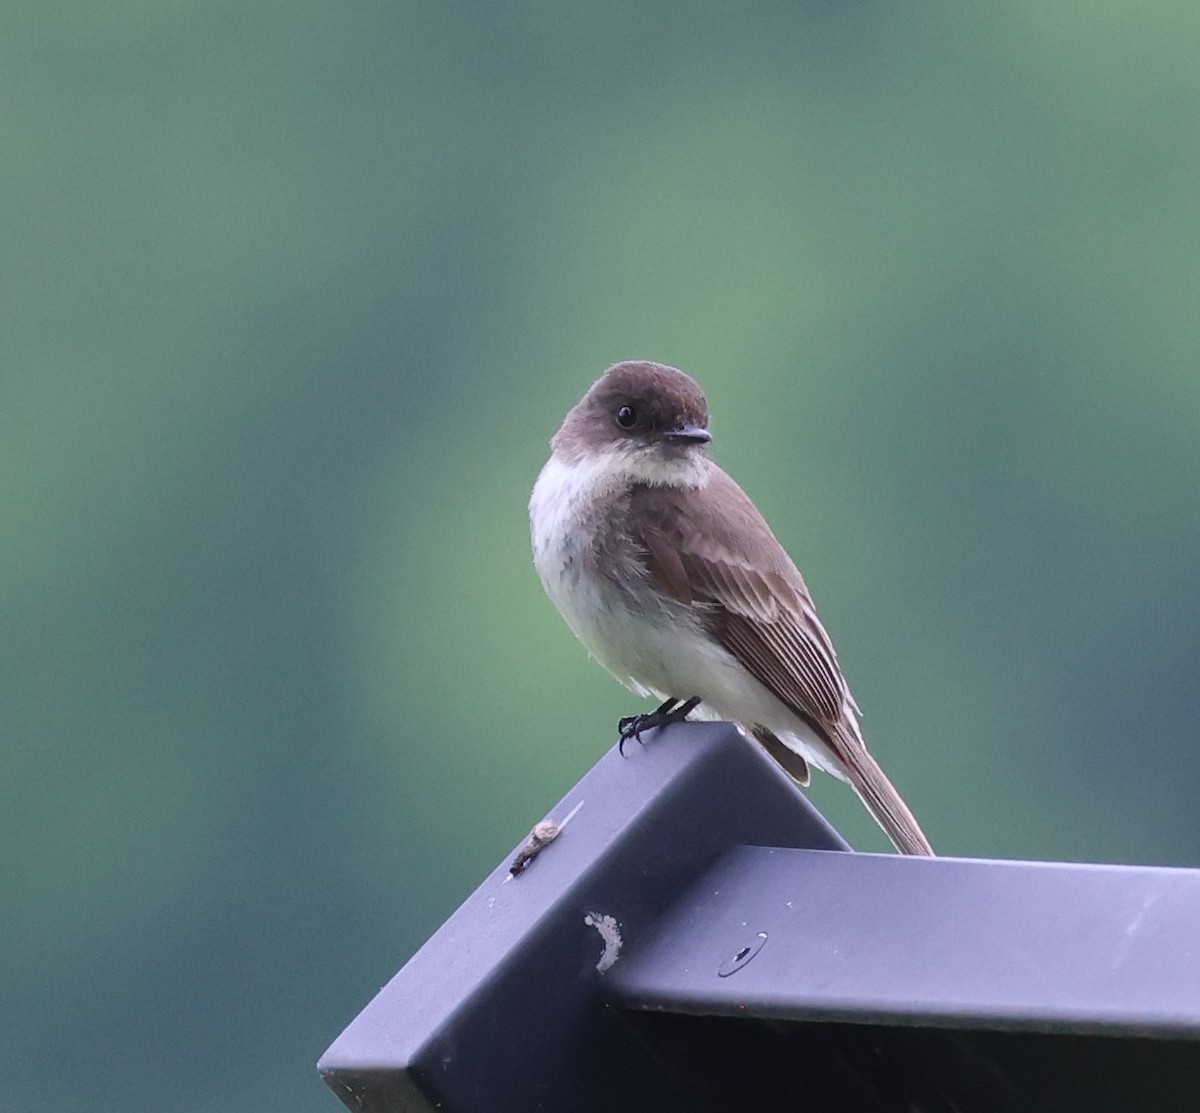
{"points": [[294, 295]]}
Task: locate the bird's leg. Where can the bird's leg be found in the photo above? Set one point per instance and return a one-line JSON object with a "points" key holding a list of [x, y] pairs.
{"points": [[669, 711]]}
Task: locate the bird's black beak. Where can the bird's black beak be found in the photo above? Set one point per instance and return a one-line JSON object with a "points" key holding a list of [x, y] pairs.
{"points": [[689, 434]]}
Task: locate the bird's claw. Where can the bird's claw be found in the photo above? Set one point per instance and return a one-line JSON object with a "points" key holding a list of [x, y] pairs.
{"points": [[670, 711], [631, 726]]}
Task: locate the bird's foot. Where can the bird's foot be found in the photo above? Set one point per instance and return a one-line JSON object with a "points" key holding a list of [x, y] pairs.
{"points": [[669, 711]]}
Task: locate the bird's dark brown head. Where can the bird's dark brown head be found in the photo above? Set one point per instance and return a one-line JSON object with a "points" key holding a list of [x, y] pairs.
{"points": [[635, 409]]}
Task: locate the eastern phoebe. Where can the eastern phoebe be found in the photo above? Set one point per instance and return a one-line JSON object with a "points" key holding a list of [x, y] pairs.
{"points": [[669, 575]]}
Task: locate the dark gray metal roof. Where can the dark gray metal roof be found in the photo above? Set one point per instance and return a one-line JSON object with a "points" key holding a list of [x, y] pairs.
{"points": [[697, 938]]}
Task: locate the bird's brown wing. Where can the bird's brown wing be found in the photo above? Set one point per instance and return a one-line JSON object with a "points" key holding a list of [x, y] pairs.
{"points": [[709, 548]]}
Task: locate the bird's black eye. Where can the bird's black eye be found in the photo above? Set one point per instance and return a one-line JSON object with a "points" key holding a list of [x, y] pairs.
{"points": [[626, 417]]}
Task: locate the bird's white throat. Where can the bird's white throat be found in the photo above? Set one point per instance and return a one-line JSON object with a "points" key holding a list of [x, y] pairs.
{"points": [[568, 493]]}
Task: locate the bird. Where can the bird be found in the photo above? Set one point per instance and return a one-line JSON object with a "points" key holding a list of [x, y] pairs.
{"points": [[668, 574]]}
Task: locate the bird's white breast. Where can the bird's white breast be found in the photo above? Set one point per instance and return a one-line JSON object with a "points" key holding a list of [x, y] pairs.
{"points": [[648, 642], [565, 511]]}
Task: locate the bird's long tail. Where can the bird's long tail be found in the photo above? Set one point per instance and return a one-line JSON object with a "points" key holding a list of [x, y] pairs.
{"points": [[882, 800]]}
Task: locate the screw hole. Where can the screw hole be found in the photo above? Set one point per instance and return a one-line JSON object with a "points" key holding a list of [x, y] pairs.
{"points": [[739, 958]]}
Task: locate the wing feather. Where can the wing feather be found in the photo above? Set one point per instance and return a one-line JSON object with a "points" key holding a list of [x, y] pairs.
{"points": [[711, 550], [753, 598]]}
